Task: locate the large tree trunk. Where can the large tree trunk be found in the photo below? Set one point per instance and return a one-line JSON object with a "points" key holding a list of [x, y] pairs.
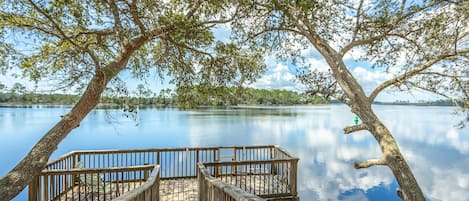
{"points": [[35, 161], [360, 104], [392, 156]]}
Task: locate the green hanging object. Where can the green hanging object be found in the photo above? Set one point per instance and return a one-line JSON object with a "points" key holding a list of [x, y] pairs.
{"points": [[356, 120]]}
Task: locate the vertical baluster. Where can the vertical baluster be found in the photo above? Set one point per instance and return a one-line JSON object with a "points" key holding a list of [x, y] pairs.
{"points": [[51, 186], [72, 185], [79, 189], [196, 162], [175, 161]]}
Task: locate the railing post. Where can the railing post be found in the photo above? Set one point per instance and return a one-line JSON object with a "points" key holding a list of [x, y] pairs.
{"points": [[273, 156], [46, 187], [76, 159], [32, 189], [158, 162], [145, 175], [201, 183], [196, 163], [155, 192], [294, 178], [217, 169], [235, 158]]}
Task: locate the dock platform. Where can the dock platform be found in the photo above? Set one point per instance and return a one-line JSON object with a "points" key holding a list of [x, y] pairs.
{"points": [[170, 174]]}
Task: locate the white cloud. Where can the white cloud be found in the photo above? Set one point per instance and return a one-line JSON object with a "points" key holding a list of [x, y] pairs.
{"points": [[354, 54], [370, 76], [278, 76], [370, 79]]}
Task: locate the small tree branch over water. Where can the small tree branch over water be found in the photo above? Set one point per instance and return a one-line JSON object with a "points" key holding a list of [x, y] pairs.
{"points": [[421, 45], [351, 129], [89, 43]]}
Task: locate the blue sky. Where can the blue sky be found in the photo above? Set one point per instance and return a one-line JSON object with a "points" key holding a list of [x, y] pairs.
{"points": [[279, 75]]}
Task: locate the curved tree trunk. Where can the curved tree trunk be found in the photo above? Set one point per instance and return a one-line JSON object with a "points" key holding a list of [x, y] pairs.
{"points": [[35, 161], [392, 157], [360, 104]]}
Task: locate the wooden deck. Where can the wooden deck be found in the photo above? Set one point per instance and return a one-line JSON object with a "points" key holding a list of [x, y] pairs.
{"points": [[81, 193], [235, 173], [179, 190], [185, 189], [262, 185]]}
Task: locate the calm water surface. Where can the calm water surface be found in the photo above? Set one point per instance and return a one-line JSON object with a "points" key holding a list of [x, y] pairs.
{"points": [[437, 151]]}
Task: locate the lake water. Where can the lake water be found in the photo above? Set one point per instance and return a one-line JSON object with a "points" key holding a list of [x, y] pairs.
{"points": [[437, 151]]}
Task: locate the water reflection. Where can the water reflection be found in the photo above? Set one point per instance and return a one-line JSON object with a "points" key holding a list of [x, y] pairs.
{"points": [[438, 153]]}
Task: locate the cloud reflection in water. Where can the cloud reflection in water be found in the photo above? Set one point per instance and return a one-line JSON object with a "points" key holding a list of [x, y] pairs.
{"points": [[437, 152]]}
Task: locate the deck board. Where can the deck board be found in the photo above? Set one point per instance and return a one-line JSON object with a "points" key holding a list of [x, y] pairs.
{"points": [[265, 184], [80, 193], [179, 190], [186, 189]]}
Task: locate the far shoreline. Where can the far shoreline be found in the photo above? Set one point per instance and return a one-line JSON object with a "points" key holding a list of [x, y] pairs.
{"points": [[243, 106]]}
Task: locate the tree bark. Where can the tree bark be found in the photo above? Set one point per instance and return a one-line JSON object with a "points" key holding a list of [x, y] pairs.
{"points": [[35, 161], [361, 105], [392, 157]]}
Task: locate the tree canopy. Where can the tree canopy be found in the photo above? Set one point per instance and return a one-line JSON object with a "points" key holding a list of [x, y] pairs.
{"points": [[89, 43], [422, 44], [67, 42]]}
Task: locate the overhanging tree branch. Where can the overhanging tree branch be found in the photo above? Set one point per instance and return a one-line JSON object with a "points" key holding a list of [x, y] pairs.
{"points": [[369, 163], [65, 36], [386, 31], [135, 18], [415, 85], [222, 21], [357, 21], [185, 46], [119, 30], [194, 9], [272, 29], [403, 77], [351, 129]]}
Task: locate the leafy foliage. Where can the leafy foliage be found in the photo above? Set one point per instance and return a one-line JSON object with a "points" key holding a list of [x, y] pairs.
{"points": [[422, 44], [68, 42]]}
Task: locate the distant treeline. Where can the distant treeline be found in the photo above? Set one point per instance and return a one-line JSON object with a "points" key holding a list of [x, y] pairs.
{"points": [[441, 102], [166, 97], [190, 97], [30, 98], [226, 96]]}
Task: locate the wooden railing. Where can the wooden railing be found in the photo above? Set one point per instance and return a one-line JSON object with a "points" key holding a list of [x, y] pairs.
{"points": [[174, 162], [61, 176], [212, 189], [87, 184], [149, 191], [265, 178]]}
